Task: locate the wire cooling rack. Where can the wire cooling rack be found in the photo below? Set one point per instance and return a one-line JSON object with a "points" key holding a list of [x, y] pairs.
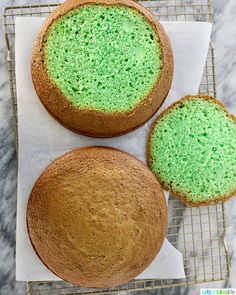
{"points": [[197, 232]]}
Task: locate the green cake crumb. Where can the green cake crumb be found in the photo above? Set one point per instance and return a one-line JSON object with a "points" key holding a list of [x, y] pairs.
{"points": [[104, 58], [193, 150]]}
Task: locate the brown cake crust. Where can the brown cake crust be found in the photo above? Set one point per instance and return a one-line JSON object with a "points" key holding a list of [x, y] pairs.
{"points": [[91, 122], [183, 197], [97, 217]]}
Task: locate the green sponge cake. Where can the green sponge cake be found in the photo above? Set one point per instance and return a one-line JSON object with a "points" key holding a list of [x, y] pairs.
{"points": [[192, 150], [102, 68]]}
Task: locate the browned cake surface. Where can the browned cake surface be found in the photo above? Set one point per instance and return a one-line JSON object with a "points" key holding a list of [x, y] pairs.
{"points": [[93, 122], [97, 217]]}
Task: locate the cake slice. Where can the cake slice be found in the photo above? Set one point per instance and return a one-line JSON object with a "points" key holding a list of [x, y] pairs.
{"points": [[192, 150]]}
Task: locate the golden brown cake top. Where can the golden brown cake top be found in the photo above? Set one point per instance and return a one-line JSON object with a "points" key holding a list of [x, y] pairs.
{"points": [[97, 217]]}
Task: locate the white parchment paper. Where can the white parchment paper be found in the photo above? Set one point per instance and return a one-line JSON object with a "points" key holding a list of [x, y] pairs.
{"points": [[42, 139]]}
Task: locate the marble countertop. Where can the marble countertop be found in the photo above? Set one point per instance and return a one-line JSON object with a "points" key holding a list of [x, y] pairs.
{"points": [[224, 39]]}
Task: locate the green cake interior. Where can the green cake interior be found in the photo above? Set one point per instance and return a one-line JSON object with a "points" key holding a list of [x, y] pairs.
{"points": [[193, 150], [105, 58]]}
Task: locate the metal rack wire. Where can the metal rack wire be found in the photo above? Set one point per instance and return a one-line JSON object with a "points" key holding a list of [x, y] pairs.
{"points": [[197, 232]]}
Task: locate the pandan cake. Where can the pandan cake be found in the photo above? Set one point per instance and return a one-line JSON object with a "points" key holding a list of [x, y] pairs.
{"points": [[192, 150], [102, 68], [97, 217]]}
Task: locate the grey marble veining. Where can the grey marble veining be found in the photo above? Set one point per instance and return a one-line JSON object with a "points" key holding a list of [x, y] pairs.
{"points": [[7, 181], [224, 38]]}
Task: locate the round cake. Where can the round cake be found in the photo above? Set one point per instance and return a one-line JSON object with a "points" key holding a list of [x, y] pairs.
{"points": [[97, 217], [102, 68], [192, 150]]}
